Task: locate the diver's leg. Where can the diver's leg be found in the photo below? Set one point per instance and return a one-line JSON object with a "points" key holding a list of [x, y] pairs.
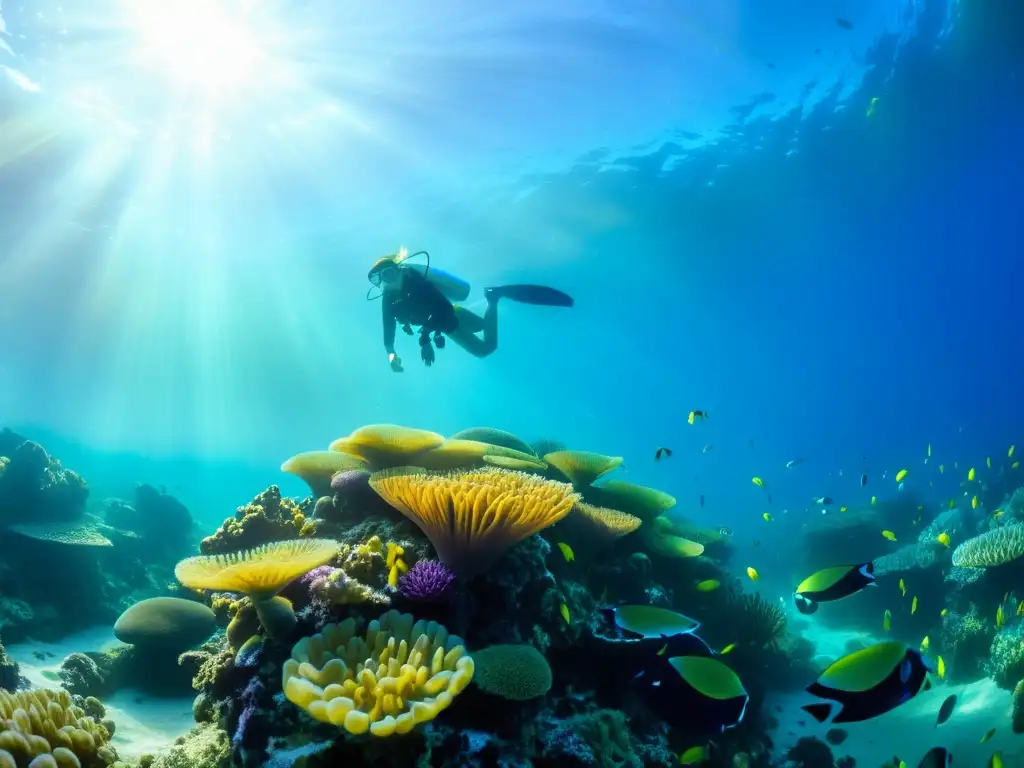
{"points": [[465, 334]]}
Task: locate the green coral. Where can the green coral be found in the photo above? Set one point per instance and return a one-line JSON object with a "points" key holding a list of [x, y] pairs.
{"points": [[965, 639], [268, 517], [205, 746], [1006, 659], [515, 672]]}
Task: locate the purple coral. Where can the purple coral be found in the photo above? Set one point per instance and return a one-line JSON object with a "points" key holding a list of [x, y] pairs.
{"points": [[427, 581]]}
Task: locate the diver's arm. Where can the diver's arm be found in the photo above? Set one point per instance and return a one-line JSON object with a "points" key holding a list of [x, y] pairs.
{"points": [[390, 322]]}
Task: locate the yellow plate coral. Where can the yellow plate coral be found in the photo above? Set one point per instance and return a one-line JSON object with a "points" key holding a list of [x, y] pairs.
{"points": [[386, 445], [402, 673]]}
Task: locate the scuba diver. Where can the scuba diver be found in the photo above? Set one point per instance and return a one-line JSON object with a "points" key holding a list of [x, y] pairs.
{"points": [[422, 295]]}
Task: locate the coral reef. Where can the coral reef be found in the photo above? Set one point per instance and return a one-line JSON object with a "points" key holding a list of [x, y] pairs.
{"points": [[32, 479], [515, 672], [428, 581], [48, 722], [267, 518], [965, 642], [10, 679]]}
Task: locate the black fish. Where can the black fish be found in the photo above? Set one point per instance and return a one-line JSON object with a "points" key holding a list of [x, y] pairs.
{"points": [[833, 583], [946, 710], [666, 452], [863, 479], [702, 501], [672, 698], [770, 65], [836, 736], [844, 23]]}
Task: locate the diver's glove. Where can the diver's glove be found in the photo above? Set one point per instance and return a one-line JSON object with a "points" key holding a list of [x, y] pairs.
{"points": [[438, 340], [427, 353], [395, 362], [407, 328]]}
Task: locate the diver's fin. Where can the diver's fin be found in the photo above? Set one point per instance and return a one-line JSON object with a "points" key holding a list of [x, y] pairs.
{"points": [[819, 712], [531, 294]]}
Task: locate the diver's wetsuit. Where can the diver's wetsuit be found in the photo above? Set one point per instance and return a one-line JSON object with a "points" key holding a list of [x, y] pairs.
{"points": [[418, 303]]}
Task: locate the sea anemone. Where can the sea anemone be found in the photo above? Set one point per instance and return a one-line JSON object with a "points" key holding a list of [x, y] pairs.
{"points": [[427, 581], [760, 623]]}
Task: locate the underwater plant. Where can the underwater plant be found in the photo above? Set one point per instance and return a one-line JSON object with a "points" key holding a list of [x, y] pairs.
{"points": [[757, 622], [428, 581]]}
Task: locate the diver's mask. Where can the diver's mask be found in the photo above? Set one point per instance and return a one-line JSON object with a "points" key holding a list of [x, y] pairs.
{"points": [[384, 272]]}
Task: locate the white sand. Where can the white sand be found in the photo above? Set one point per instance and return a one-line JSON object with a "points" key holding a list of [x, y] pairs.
{"points": [[909, 730], [143, 724]]}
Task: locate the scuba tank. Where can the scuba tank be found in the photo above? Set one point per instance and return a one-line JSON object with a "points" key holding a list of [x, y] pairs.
{"points": [[453, 287]]}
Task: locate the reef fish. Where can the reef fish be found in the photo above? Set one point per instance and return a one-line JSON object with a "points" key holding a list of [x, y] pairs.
{"points": [[937, 757], [889, 535], [903, 587], [752, 573], [913, 606], [566, 551], [833, 583], [868, 683], [700, 695], [694, 755], [649, 621], [943, 539], [996, 761], [946, 710], [708, 585], [988, 735], [662, 452], [971, 474], [1009, 453], [797, 462], [757, 481], [887, 620], [900, 475], [696, 416]]}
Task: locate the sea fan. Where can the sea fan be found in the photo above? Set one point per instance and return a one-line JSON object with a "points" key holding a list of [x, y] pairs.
{"points": [[759, 622]]}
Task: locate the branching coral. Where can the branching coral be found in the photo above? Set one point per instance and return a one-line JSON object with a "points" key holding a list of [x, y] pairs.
{"points": [[268, 517], [473, 517], [966, 640], [400, 675], [41, 721], [1005, 662]]}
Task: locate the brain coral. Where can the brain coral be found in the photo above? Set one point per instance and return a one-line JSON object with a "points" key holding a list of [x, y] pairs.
{"points": [[169, 622], [400, 675], [44, 722], [995, 547], [516, 672]]}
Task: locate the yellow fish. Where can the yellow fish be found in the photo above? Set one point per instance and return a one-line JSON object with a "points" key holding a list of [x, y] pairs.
{"points": [[757, 481], [974, 503], [971, 475], [564, 610], [567, 552], [1000, 617], [708, 585], [920, 507], [925, 643], [988, 462], [988, 735], [753, 574], [842, 508], [874, 499], [662, 651], [903, 587], [929, 450], [900, 475], [944, 611], [727, 649], [889, 535], [887, 620], [996, 761], [942, 468], [997, 514], [951, 504], [913, 606], [1009, 453], [1015, 465], [871, 107], [693, 756], [1020, 607], [944, 539], [941, 667], [767, 517]]}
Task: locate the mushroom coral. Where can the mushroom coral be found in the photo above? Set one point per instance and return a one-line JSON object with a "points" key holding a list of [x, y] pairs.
{"points": [[317, 468], [582, 467], [383, 446], [495, 437], [44, 722], [460, 453], [473, 516], [401, 674], [260, 574], [639, 500]]}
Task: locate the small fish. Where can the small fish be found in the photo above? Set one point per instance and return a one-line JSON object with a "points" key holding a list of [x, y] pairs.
{"points": [[937, 757], [940, 667], [752, 573], [767, 517], [728, 649], [988, 462], [871, 106], [844, 23], [900, 475], [708, 585], [944, 611], [842, 508], [889, 535], [951, 503], [988, 735], [834, 583], [794, 463], [874, 499], [943, 539], [661, 652], [997, 514], [1000, 617], [917, 520], [946, 710], [971, 475], [903, 587], [1015, 465], [666, 452], [707, 448], [913, 606], [1009, 453], [702, 501], [887, 620], [925, 643], [725, 530], [974, 503], [564, 610], [823, 500], [996, 761], [863, 479], [696, 416], [1020, 608], [929, 450], [900, 487], [566, 551], [757, 481], [693, 756], [942, 469]]}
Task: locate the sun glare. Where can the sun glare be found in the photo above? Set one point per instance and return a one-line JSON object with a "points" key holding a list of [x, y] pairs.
{"points": [[196, 45]]}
